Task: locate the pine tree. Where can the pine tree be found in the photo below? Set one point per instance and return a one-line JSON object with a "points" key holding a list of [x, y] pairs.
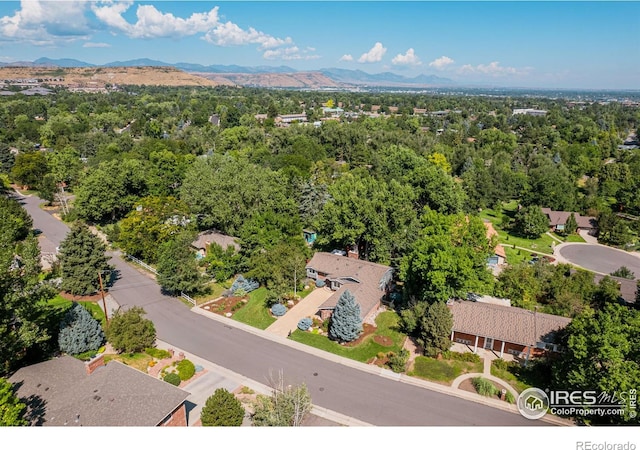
{"points": [[177, 266], [571, 226], [435, 329], [79, 332], [222, 409], [346, 323], [82, 256]]}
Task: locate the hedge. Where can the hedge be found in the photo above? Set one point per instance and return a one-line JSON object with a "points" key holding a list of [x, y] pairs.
{"points": [[172, 378]]}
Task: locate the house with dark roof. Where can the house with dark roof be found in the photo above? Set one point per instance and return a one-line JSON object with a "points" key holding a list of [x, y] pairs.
{"points": [[558, 220], [206, 238], [65, 391], [368, 282], [505, 329]]}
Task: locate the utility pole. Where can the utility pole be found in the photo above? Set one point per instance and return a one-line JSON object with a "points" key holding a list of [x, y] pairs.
{"points": [[104, 303]]}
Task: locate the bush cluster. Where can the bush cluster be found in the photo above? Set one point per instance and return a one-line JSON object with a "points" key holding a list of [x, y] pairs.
{"points": [[186, 369], [172, 378], [305, 323], [278, 309], [157, 353], [241, 283], [468, 357], [509, 397], [398, 361], [484, 387]]}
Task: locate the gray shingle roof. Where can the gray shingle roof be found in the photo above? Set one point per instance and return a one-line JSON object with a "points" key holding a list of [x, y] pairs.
{"points": [[367, 275], [210, 237], [113, 395], [505, 323], [561, 217]]}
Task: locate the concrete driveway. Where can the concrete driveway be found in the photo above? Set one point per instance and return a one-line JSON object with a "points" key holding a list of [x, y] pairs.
{"points": [[306, 307]]}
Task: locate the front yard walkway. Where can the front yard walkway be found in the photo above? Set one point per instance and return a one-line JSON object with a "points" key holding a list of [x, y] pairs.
{"points": [[307, 307], [487, 357]]}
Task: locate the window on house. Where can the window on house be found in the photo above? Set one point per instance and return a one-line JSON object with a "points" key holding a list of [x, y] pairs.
{"points": [[463, 341]]}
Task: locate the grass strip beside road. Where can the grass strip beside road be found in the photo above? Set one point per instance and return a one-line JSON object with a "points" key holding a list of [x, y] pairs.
{"points": [[443, 371]]}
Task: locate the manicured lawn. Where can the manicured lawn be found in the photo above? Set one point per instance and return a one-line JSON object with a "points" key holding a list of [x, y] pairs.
{"points": [[510, 378], [95, 309], [540, 245], [387, 325], [443, 371], [138, 361], [212, 292], [255, 312], [536, 374], [515, 256]]}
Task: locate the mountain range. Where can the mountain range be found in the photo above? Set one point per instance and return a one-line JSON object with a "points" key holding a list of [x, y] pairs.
{"points": [[335, 75]]}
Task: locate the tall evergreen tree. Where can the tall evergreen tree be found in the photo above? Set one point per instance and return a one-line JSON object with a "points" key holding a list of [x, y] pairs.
{"points": [[571, 226], [222, 409], [82, 256], [435, 329], [346, 323], [177, 266], [79, 332]]}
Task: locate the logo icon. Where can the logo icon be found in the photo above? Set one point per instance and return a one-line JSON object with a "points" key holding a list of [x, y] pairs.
{"points": [[533, 403]]}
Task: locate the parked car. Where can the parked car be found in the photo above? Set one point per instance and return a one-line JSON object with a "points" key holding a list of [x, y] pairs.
{"points": [[339, 252]]}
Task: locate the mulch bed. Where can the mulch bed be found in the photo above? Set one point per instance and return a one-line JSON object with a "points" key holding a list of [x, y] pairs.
{"points": [[81, 298], [367, 330], [385, 341], [466, 385], [224, 305]]}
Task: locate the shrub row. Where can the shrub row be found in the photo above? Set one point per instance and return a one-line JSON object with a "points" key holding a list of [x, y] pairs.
{"points": [[467, 356]]}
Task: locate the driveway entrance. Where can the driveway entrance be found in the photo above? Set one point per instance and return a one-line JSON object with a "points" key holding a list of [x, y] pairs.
{"points": [[306, 307]]}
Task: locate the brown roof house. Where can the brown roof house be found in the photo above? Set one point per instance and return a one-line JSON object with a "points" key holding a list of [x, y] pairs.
{"points": [[368, 282], [209, 237], [65, 391], [558, 219], [499, 328]]}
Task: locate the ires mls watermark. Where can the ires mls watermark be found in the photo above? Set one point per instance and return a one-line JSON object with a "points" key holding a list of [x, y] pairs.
{"points": [[534, 403]]}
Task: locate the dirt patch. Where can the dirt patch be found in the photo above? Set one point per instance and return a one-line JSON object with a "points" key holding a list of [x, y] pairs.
{"points": [[367, 330], [81, 298], [385, 341], [225, 305]]}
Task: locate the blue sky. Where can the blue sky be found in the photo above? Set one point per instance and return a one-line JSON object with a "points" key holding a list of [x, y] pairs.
{"points": [[530, 44]]}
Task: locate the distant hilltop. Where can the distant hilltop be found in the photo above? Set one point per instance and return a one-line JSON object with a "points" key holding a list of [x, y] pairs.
{"points": [[260, 76]]}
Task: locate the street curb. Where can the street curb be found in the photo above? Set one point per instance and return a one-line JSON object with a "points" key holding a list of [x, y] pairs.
{"points": [[374, 370]]}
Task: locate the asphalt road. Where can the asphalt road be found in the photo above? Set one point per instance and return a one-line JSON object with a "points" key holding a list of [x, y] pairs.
{"points": [[355, 393], [600, 258]]}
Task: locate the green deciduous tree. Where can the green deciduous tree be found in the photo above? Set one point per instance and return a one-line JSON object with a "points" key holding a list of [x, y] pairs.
{"points": [[29, 168], [602, 355], [79, 331], [11, 408], [531, 222], [154, 221], [222, 409], [449, 259], [571, 226], [129, 332], [82, 257], [177, 266], [346, 324], [24, 329], [435, 329]]}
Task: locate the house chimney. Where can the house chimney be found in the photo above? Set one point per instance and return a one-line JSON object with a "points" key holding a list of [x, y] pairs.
{"points": [[353, 253], [94, 363]]}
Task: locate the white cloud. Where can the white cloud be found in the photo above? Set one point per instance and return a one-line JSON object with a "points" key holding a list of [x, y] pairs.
{"points": [[493, 69], [408, 59], [441, 63], [229, 33], [152, 23], [374, 55], [96, 45], [44, 22], [290, 54], [346, 57]]}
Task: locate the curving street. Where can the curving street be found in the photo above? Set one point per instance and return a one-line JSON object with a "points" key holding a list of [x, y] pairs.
{"points": [[598, 258], [340, 387]]}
